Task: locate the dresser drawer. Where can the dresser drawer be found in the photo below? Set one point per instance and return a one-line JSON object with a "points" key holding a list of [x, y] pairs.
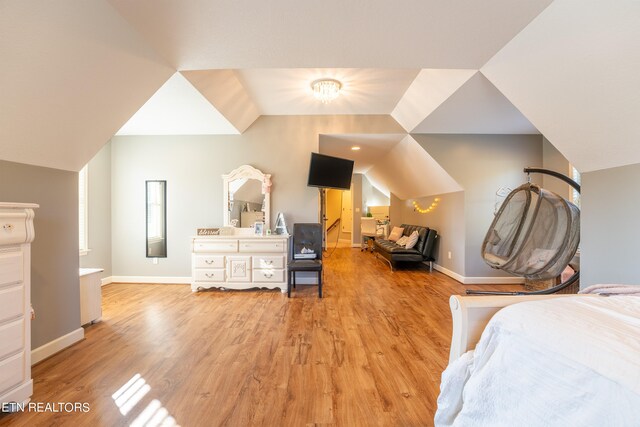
{"points": [[11, 267], [11, 338], [262, 246], [11, 372], [268, 276], [209, 275], [209, 261], [13, 228], [267, 261], [11, 302], [216, 246]]}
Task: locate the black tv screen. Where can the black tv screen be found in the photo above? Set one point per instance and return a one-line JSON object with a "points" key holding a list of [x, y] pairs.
{"points": [[330, 172]]}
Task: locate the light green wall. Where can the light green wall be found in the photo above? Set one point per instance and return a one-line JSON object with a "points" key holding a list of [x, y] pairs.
{"points": [[481, 164], [609, 222], [55, 287], [193, 165]]}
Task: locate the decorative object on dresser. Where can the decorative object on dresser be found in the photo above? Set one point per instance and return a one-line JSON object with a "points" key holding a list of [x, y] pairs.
{"points": [[239, 261], [16, 235], [246, 197], [281, 225], [259, 228]]}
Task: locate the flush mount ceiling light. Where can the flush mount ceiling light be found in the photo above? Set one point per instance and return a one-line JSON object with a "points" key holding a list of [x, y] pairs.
{"points": [[355, 148], [326, 90]]}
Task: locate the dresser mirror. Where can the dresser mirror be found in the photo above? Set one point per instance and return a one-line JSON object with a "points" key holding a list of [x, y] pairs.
{"points": [[246, 197]]}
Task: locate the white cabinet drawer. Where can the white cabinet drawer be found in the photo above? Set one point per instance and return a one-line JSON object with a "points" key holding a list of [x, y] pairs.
{"points": [[266, 261], [13, 228], [262, 246], [11, 302], [209, 261], [209, 275], [11, 337], [11, 372], [11, 267], [239, 269], [268, 275], [216, 246]]}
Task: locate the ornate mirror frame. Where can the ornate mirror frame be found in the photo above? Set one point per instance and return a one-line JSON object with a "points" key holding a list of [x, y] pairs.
{"points": [[247, 172]]}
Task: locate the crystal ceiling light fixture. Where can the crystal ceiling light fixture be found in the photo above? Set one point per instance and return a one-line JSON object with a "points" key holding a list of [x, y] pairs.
{"points": [[326, 90]]}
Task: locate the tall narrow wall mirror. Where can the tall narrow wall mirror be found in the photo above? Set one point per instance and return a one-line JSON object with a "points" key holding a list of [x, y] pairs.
{"points": [[156, 201]]}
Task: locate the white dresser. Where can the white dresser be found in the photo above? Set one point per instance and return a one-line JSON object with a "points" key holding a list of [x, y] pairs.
{"points": [[239, 262], [16, 235]]}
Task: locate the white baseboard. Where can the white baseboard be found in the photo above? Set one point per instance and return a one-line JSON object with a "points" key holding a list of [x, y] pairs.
{"points": [[53, 347], [452, 274], [152, 279], [479, 280], [106, 280]]}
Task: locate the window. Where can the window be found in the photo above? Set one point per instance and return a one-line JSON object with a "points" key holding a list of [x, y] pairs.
{"points": [[83, 214], [575, 195]]}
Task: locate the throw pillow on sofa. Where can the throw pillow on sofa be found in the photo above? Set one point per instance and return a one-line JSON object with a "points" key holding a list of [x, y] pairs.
{"points": [[412, 240], [402, 241], [396, 233]]}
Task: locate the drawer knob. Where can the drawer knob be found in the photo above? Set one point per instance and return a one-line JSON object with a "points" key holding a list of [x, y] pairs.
{"points": [[8, 227]]}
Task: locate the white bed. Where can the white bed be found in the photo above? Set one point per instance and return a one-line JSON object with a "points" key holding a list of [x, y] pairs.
{"points": [[557, 360]]}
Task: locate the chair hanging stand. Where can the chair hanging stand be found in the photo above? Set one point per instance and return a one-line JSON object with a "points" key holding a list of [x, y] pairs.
{"points": [[513, 242]]}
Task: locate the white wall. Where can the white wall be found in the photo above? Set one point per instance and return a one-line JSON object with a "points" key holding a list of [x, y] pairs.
{"points": [[192, 167], [371, 196]]}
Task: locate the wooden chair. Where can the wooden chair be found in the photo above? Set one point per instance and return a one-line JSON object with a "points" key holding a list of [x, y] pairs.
{"points": [[306, 239]]}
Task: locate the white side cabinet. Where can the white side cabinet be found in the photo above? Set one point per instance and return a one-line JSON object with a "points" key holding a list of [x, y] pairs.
{"points": [[90, 295], [16, 235], [239, 262]]}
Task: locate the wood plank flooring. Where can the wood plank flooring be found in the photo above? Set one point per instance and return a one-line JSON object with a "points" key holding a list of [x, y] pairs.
{"points": [[370, 353]]}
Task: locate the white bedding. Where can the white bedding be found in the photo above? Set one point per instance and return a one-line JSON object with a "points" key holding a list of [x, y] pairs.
{"points": [[560, 362]]}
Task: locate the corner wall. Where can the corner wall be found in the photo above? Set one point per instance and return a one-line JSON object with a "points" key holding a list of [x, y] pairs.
{"points": [[480, 164], [55, 285], [99, 205], [609, 226]]}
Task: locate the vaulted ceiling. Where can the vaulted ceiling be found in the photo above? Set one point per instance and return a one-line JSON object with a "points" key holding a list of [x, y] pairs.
{"points": [[76, 72]]}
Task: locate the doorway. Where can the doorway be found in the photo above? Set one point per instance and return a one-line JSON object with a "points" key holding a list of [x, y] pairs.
{"points": [[339, 214]]}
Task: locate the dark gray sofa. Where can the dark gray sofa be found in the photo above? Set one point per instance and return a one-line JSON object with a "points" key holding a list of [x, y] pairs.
{"points": [[422, 251]]}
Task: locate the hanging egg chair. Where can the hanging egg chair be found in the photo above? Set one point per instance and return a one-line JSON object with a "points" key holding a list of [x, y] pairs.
{"points": [[535, 235]]}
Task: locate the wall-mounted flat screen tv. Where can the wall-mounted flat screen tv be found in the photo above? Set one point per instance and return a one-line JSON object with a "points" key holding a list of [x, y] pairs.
{"points": [[330, 172]]}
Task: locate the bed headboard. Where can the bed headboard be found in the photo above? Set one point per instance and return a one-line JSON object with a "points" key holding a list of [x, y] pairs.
{"points": [[472, 313]]}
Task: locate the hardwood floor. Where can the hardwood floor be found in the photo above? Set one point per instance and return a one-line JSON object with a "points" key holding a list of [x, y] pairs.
{"points": [[370, 353]]}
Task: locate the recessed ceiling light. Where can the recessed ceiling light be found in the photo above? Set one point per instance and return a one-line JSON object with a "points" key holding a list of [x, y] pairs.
{"points": [[355, 148]]}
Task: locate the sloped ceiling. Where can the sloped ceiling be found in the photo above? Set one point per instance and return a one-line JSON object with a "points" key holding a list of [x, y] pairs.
{"points": [[410, 172], [73, 72], [224, 90], [373, 148], [177, 108], [477, 107], [208, 34], [574, 73], [427, 92]]}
